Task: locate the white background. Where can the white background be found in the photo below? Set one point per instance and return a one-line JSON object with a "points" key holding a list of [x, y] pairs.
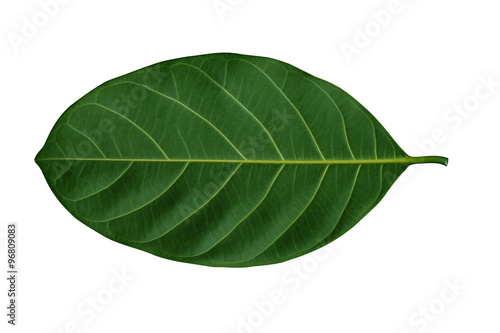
{"points": [[437, 226]]}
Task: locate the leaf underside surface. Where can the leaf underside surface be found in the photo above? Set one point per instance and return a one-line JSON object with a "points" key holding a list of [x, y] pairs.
{"points": [[221, 160]]}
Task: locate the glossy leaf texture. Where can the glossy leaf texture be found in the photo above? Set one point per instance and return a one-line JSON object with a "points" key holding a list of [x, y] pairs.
{"points": [[221, 160]]}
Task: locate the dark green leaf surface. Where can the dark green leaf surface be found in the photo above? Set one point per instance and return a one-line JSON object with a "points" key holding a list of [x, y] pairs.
{"points": [[221, 160]]}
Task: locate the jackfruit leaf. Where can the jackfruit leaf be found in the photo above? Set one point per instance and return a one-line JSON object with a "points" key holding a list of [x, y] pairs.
{"points": [[221, 160]]}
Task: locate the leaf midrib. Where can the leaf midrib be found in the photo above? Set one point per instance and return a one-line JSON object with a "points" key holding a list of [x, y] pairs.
{"points": [[405, 160]]}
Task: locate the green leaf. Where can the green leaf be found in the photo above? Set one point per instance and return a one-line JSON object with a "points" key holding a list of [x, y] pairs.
{"points": [[221, 160]]}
